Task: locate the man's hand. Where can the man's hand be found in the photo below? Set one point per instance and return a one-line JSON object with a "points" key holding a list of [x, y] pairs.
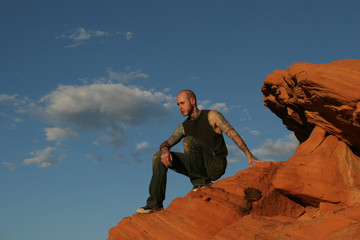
{"points": [[252, 159], [166, 157]]}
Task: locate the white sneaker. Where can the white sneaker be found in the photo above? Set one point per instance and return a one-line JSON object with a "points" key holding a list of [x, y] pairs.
{"points": [[148, 209], [196, 187]]}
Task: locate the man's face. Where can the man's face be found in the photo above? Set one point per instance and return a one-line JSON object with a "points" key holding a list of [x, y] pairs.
{"points": [[186, 105]]}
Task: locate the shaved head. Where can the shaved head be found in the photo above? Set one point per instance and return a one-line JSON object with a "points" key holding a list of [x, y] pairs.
{"points": [[189, 94]]}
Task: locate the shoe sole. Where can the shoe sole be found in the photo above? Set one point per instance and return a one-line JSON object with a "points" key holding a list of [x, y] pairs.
{"points": [[207, 185], [142, 211]]}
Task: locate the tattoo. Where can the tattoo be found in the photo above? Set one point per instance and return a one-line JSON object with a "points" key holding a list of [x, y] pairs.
{"points": [[217, 121], [174, 139]]}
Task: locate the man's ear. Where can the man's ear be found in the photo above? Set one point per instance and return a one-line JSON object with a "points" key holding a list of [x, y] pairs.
{"points": [[193, 101]]}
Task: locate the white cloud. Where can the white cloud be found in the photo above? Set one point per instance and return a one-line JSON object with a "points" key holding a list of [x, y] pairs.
{"points": [[110, 108], [142, 145], [129, 35], [282, 148], [126, 77], [7, 98], [245, 115], [12, 99], [98, 105], [221, 107], [203, 104], [18, 120], [44, 158], [234, 153], [251, 131], [231, 161], [60, 134], [9, 165], [206, 104], [80, 35]]}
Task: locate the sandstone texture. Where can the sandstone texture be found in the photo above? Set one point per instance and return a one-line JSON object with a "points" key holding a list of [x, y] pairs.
{"points": [[325, 95], [314, 195]]}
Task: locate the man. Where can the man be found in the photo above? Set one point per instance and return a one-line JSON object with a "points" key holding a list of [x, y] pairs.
{"points": [[204, 157]]}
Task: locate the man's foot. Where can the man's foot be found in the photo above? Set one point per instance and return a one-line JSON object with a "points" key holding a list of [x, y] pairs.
{"points": [[148, 209], [197, 187]]}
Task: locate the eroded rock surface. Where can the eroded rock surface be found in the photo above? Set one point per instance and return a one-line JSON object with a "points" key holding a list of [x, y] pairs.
{"points": [[325, 95], [314, 195]]}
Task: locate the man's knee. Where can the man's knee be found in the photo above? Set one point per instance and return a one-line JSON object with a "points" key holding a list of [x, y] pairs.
{"points": [[190, 143], [157, 158]]}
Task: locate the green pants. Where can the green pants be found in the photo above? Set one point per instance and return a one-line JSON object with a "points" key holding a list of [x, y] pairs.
{"points": [[198, 162]]}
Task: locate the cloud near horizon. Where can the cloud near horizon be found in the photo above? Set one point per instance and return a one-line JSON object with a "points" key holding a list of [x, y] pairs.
{"points": [[282, 148], [271, 150]]}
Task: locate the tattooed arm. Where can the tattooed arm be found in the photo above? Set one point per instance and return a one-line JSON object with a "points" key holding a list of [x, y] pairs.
{"points": [[220, 124], [171, 141]]}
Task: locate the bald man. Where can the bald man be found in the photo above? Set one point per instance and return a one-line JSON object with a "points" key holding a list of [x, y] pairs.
{"points": [[204, 157]]}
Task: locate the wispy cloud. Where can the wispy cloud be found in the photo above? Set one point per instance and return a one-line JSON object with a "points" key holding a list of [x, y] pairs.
{"points": [[45, 157], [128, 35], [282, 148], [206, 104], [270, 150], [221, 107], [13, 99], [224, 108], [80, 35], [10, 114], [5, 98], [252, 132], [127, 76], [234, 153], [9, 165], [245, 115], [143, 151], [142, 145]]}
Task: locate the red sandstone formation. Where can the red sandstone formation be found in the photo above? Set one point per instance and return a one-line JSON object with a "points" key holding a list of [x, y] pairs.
{"points": [[325, 95], [314, 195]]}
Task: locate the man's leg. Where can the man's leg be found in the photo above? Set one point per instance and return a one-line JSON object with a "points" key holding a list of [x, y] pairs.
{"points": [[203, 162], [184, 163], [190, 163], [157, 186]]}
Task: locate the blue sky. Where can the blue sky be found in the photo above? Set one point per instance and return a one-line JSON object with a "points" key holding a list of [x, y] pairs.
{"points": [[88, 93]]}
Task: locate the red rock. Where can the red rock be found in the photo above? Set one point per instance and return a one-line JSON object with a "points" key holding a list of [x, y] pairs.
{"points": [[314, 195], [198, 215], [327, 168], [325, 95]]}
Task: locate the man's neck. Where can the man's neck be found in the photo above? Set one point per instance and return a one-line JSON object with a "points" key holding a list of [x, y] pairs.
{"points": [[195, 114]]}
